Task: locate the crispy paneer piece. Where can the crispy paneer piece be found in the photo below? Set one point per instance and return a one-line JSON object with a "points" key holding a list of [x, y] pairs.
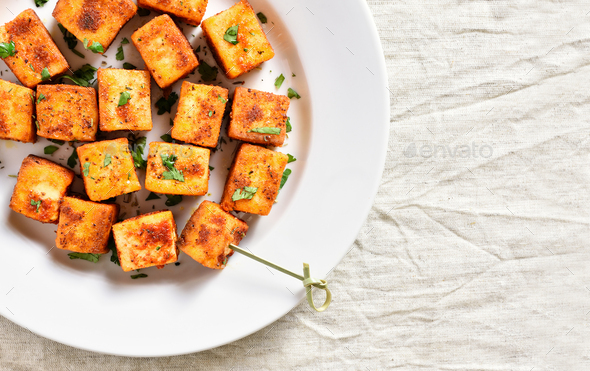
{"points": [[146, 240], [136, 114], [97, 21], [107, 169], [258, 117], [254, 179], [16, 113], [199, 115], [85, 226], [165, 50], [177, 169], [247, 50], [188, 11], [36, 56], [39, 189], [67, 112], [208, 233]]}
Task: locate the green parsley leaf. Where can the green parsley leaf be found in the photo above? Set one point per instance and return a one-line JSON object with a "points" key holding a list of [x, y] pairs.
{"points": [[56, 141], [124, 98], [41, 97], [266, 130], [207, 72], [172, 173], [290, 158], [40, 3], [211, 168], [120, 54], [246, 194], [246, 50], [36, 203], [107, 160], [125, 41], [173, 200], [231, 34], [83, 75], [279, 81], [198, 49], [152, 196], [73, 159], [70, 40], [293, 94], [45, 74], [143, 12], [158, 248], [210, 113], [32, 68], [220, 98], [12, 176], [86, 168], [165, 105], [288, 123], [7, 49], [49, 150], [90, 257], [113, 247], [262, 17], [167, 138], [136, 276], [95, 47], [284, 178], [137, 153], [129, 66]]}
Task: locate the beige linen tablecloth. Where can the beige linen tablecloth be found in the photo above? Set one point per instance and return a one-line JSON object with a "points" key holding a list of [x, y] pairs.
{"points": [[475, 255]]}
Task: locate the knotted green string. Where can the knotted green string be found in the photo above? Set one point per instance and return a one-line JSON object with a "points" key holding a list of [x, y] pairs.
{"points": [[308, 282]]}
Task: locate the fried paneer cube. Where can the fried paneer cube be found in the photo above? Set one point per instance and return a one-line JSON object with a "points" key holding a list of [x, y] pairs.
{"points": [[258, 117], [236, 40], [188, 11], [40, 186], [107, 169], [134, 115], [254, 180], [16, 113], [146, 240], [36, 58], [85, 226], [199, 115], [165, 50], [177, 169], [208, 233], [67, 112], [97, 21]]}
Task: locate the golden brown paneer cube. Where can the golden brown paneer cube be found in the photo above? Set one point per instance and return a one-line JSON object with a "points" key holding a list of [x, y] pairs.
{"points": [[93, 20], [136, 113], [236, 40], [16, 113], [199, 115], [35, 57], [107, 169], [165, 50], [188, 11], [177, 169], [258, 117], [85, 226], [254, 180], [208, 233], [146, 240], [40, 186], [67, 112]]}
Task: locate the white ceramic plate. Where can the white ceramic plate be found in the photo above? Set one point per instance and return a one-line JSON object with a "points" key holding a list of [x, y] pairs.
{"points": [[339, 137]]}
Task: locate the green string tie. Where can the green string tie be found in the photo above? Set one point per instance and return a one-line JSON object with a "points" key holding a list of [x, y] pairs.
{"points": [[308, 281]]}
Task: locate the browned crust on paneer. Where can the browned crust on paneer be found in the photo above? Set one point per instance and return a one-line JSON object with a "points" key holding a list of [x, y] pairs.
{"points": [[35, 49], [16, 113], [85, 226], [253, 109], [208, 233], [192, 161], [200, 113], [165, 50], [252, 48], [117, 178], [44, 181], [136, 114], [258, 167], [94, 20], [67, 112], [188, 11], [146, 240]]}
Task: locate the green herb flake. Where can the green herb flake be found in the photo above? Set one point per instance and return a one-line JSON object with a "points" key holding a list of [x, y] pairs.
{"points": [[40, 3], [49, 150], [83, 75], [211, 168], [246, 50], [107, 160], [152, 196], [262, 17], [136, 276], [198, 49], [41, 97], [7, 49], [84, 256], [246, 194], [73, 159], [266, 130], [167, 138], [129, 66], [291, 158], [45, 75], [279, 81], [172, 173], [231, 34], [95, 47], [12, 176], [221, 99], [31, 67], [284, 178], [173, 200], [124, 98], [158, 248], [288, 123], [86, 168], [125, 41], [56, 141], [113, 247], [293, 94], [207, 72], [210, 113], [120, 54], [293, 75], [137, 153], [36, 203], [165, 105], [142, 12]]}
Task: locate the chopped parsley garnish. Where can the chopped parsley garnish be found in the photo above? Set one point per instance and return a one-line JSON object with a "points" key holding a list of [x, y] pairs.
{"points": [[266, 130], [198, 49], [45, 74], [120, 53], [165, 105], [41, 97], [129, 66], [70, 40], [36, 203], [211, 168], [31, 67], [246, 194], [83, 75], [125, 41], [73, 159], [207, 72], [56, 141], [107, 160], [210, 113], [84, 256], [172, 173], [167, 138], [231, 34], [173, 200], [288, 123], [158, 248], [86, 168], [279, 81], [284, 178], [291, 158], [95, 47], [220, 98], [152, 196], [262, 17], [113, 247], [137, 153], [124, 98], [293, 94], [246, 50], [49, 150], [142, 12], [136, 276], [40, 3], [7, 49]]}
